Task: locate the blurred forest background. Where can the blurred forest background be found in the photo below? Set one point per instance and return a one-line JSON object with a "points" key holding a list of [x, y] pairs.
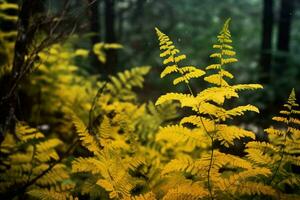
{"points": [[265, 32]]}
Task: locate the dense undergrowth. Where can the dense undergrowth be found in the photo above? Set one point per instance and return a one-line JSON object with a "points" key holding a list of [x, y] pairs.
{"points": [[86, 138]]}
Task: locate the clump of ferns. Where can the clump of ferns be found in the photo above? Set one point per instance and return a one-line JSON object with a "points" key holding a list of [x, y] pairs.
{"points": [[281, 152], [209, 121]]}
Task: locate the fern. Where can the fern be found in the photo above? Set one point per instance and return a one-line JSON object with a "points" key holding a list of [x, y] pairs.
{"points": [[34, 164], [210, 116], [50, 195], [100, 48], [120, 86], [281, 152], [186, 191], [172, 60], [112, 170]]}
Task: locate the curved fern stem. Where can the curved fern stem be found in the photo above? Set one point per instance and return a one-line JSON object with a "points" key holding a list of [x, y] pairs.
{"points": [[209, 186], [281, 157]]}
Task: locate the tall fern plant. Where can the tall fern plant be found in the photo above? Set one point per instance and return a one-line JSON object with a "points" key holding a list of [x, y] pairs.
{"points": [[281, 153], [216, 175]]}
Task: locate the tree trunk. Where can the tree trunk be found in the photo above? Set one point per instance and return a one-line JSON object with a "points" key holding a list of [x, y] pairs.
{"points": [[266, 40], [110, 36], [284, 34], [95, 26], [285, 21], [9, 91]]}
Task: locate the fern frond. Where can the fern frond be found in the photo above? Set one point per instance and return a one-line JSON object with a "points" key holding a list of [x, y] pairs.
{"points": [[147, 196], [256, 188], [237, 111], [200, 122], [91, 165], [216, 79], [175, 134], [239, 87], [172, 60], [181, 164], [88, 140], [56, 175], [226, 134], [26, 133], [184, 99], [258, 157], [216, 94], [45, 150], [264, 146], [45, 194], [169, 70], [186, 192], [121, 85], [222, 159]]}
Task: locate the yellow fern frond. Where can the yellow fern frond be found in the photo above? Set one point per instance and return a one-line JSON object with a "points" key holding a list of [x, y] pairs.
{"points": [[216, 79], [45, 150], [57, 174], [121, 85], [216, 94], [258, 157], [226, 134], [200, 122], [169, 70], [178, 134], [147, 196], [182, 164], [172, 59], [256, 188], [88, 140], [239, 87], [186, 192], [237, 111], [184, 99], [26, 133], [45, 194], [264, 146]]}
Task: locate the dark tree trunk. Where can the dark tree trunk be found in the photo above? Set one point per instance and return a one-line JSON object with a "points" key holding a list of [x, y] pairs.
{"points": [[110, 36], [9, 83], [266, 40], [285, 21], [284, 34], [95, 26]]}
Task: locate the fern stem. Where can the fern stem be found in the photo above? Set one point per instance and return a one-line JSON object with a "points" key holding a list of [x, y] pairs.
{"points": [[280, 161], [282, 151], [190, 89], [209, 169], [212, 151]]}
